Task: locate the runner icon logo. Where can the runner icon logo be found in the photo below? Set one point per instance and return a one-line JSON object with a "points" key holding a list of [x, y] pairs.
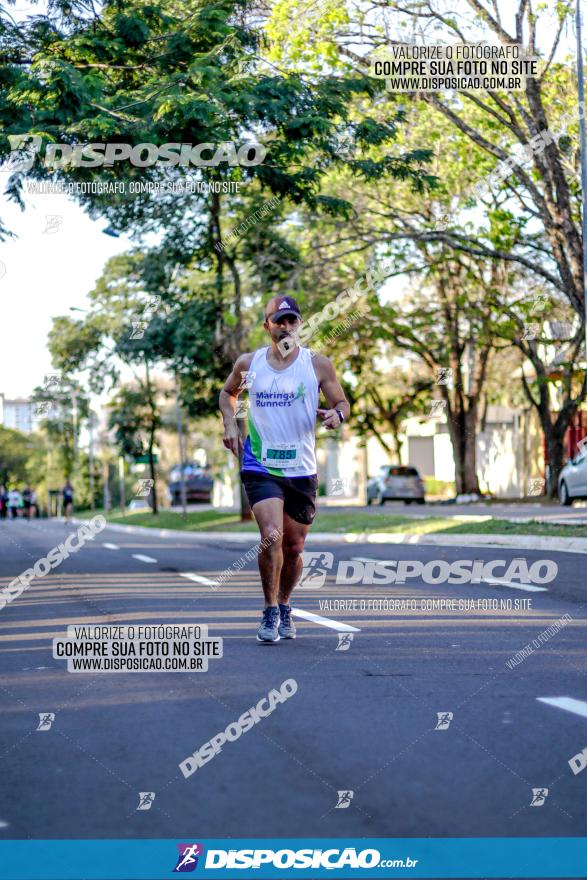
{"points": [[316, 565], [444, 376], [53, 222], [344, 641], [247, 378], [138, 329], [339, 485], [444, 719], [539, 795], [344, 799], [146, 799], [242, 409], [188, 857], [46, 719]]}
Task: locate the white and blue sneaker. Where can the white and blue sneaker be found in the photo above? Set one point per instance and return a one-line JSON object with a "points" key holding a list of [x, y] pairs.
{"points": [[269, 630], [287, 629]]}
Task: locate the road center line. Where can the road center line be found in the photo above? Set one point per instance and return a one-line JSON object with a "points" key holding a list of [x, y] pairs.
{"points": [[324, 621], [568, 704], [142, 558], [198, 578], [111, 546]]}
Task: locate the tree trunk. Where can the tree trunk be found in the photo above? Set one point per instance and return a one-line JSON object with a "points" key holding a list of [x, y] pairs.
{"points": [[152, 407], [461, 426], [397, 442], [154, 507], [458, 448], [470, 464], [556, 450], [554, 429]]}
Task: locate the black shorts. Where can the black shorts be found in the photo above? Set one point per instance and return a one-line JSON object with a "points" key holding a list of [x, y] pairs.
{"points": [[298, 493]]}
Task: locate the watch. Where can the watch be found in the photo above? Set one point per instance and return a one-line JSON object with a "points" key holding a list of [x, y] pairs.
{"points": [[340, 415]]}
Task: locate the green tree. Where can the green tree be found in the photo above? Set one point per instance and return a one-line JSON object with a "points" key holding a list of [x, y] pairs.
{"points": [[14, 456], [135, 418], [519, 145]]}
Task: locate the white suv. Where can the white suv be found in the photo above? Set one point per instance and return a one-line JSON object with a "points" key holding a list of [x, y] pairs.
{"points": [[394, 482], [572, 481]]}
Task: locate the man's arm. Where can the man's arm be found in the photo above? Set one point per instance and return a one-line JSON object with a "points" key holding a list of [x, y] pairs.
{"points": [[228, 401], [332, 391]]}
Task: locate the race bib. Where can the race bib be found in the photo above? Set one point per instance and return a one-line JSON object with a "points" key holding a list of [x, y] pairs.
{"points": [[281, 455]]}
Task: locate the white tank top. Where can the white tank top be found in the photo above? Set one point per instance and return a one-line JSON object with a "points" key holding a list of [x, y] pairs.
{"points": [[282, 417]]}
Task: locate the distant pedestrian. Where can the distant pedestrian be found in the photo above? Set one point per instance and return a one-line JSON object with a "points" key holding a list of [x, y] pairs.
{"points": [[67, 496], [3, 502], [27, 500], [14, 502]]}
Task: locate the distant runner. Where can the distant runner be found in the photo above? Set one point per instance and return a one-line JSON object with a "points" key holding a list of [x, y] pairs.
{"points": [[3, 502], [27, 497], [279, 459], [67, 496], [14, 502]]}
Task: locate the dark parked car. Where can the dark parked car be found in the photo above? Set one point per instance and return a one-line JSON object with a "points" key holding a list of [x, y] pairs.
{"points": [[394, 482], [198, 483]]}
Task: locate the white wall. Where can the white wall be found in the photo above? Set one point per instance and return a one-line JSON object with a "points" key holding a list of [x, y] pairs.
{"points": [[444, 462], [497, 461]]}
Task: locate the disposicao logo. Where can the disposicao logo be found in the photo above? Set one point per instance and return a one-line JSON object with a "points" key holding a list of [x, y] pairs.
{"points": [[187, 859]]}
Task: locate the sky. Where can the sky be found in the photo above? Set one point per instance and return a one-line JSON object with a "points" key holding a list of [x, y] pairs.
{"points": [[45, 269], [49, 266]]}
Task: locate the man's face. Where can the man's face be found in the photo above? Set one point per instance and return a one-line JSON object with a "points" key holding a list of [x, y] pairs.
{"points": [[283, 328]]}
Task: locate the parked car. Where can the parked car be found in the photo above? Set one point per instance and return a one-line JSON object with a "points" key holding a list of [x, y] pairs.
{"points": [[198, 483], [572, 481], [396, 482]]}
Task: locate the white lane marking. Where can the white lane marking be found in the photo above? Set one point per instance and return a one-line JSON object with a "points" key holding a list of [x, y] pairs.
{"points": [[529, 588], [142, 558], [325, 621], [111, 546], [198, 578], [568, 704]]}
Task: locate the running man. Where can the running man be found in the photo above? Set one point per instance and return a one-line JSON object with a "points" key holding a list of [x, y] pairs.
{"points": [[279, 455]]}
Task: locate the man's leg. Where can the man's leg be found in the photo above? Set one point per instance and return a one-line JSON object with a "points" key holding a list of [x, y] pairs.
{"points": [[294, 536], [270, 519]]}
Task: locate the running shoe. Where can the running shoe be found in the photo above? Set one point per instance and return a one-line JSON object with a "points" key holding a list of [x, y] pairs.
{"points": [[287, 629], [269, 629]]}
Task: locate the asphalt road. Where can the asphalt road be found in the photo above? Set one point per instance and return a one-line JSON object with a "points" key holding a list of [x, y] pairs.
{"points": [[362, 720]]}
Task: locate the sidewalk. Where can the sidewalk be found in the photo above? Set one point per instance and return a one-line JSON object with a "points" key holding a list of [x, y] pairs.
{"points": [[521, 542]]}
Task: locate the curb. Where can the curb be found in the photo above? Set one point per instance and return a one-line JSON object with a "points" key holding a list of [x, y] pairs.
{"points": [[520, 542]]}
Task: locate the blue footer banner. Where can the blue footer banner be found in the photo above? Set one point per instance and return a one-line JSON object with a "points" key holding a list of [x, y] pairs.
{"points": [[367, 858]]}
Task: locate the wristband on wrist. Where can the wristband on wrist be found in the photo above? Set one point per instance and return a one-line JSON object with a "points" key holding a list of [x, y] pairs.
{"points": [[340, 415]]}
